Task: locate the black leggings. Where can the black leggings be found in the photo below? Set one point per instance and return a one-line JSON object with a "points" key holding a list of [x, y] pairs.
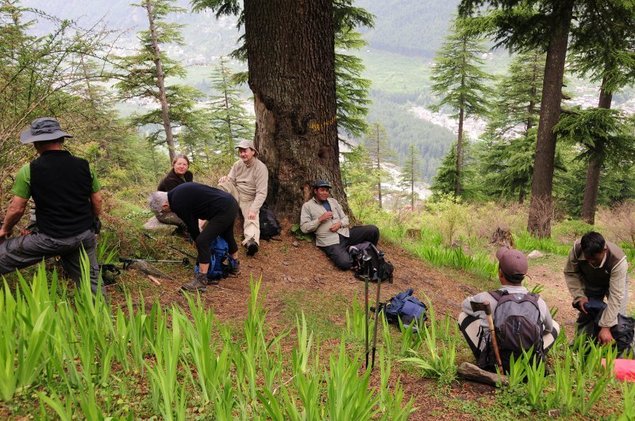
{"points": [[220, 224]]}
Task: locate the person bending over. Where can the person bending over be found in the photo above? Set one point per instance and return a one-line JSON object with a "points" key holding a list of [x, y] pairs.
{"points": [[193, 202]]}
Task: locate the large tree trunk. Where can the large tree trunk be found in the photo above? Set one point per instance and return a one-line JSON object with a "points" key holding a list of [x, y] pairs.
{"points": [[291, 57], [165, 108], [541, 207], [592, 185]]}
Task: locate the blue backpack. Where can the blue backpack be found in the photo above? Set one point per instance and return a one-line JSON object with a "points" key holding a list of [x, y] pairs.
{"points": [[221, 263], [405, 307]]}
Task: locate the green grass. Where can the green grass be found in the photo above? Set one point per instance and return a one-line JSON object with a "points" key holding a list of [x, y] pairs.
{"points": [[74, 356]]}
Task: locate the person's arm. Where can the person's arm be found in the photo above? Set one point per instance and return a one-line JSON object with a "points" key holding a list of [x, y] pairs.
{"points": [[617, 285], [261, 178], [481, 297], [14, 213], [231, 177], [573, 278], [340, 219], [307, 222], [97, 202], [547, 320]]}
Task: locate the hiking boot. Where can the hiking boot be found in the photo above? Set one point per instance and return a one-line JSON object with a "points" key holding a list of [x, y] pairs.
{"points": [[199, 283], [235, 268], [252, 247]]}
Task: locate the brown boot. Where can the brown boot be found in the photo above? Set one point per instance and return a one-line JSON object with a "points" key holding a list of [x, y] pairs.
{"points": [[199, 283]]}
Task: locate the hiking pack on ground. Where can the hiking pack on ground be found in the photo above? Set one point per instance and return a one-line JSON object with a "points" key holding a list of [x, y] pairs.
{"points": [[623, 332], [405, 307], [269, 225], [518, 328], [221, 264], [369, 263]]}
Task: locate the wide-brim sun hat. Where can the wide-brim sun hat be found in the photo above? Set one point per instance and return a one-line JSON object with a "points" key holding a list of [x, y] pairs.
{"points": [[245, 144], [43, 129]]}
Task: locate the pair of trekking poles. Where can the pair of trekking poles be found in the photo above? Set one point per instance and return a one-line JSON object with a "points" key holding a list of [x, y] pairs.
{"points": [[378, 306]]}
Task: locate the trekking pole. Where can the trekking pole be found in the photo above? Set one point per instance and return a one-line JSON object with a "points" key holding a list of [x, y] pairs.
{"points": [[366, 310], [127, 261], [372, 361], [485, 307]]}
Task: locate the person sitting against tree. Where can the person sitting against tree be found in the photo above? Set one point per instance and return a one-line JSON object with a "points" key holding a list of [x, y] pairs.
{"points": [[247, 181], [67, 200], [179, 174], [323, 216], [193, 202], [597, 269]]}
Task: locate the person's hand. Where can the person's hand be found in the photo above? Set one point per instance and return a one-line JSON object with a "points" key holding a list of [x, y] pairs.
{"points": [[223, 179], [326, 215], [604, 336], [336, 225], [252, 215], [4, 234], [580, 304]]}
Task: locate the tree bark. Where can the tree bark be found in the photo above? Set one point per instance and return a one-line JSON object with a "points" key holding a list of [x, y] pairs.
{"points": [[541, 207], [165, 108], [291, 57], [592, 185]]}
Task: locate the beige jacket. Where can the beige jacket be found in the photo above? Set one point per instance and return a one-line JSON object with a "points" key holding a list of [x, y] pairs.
{"points": [[610, 278], [311, 212], [250, 181]]}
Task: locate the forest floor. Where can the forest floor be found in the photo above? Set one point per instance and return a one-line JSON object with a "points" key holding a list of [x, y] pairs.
{"points": [[296, 276]]}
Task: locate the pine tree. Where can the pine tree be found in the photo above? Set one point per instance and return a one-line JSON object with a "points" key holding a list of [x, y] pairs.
{"points": [[546, 25], [352, 88], [604, 139], [506, 163], [410, 174], [143, 75], [461, 84], [229, 118], [376, 143]]}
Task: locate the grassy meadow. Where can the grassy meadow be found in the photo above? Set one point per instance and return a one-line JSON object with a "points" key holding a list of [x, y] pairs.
{"points": [[65, 354]]}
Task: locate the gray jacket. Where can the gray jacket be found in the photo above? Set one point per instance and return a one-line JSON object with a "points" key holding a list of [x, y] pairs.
{"points": [[311, 212]]}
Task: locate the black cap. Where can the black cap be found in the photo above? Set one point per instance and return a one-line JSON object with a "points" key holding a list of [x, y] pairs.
{"points": [[321, 183]]}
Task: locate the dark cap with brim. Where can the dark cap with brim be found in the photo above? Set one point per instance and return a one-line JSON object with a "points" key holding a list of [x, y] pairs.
{"points": [[42, 130], [512, 262], [321, 183]]}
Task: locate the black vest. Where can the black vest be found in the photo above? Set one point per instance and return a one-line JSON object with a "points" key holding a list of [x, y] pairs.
{"points": [[597, 280], [61, 186]]}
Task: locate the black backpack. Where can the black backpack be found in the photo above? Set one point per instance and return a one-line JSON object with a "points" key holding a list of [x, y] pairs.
{"points": [[518, 327], [269, 225], [369, 263]]}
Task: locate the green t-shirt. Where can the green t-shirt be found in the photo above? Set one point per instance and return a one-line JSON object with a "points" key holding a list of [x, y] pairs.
{"points": [[22, 185]]}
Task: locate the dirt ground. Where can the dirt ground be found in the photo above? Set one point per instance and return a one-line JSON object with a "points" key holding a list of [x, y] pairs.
{"points": [[291, 267]]}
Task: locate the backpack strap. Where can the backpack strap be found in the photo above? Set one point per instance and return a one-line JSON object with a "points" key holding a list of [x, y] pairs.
{"points": [[498, 294]]}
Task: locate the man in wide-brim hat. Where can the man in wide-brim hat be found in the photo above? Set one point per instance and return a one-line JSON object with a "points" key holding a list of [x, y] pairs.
{"points": [[67, 202]]}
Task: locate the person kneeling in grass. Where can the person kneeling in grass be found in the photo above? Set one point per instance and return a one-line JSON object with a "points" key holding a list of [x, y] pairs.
{"points": [[522, 320]]}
